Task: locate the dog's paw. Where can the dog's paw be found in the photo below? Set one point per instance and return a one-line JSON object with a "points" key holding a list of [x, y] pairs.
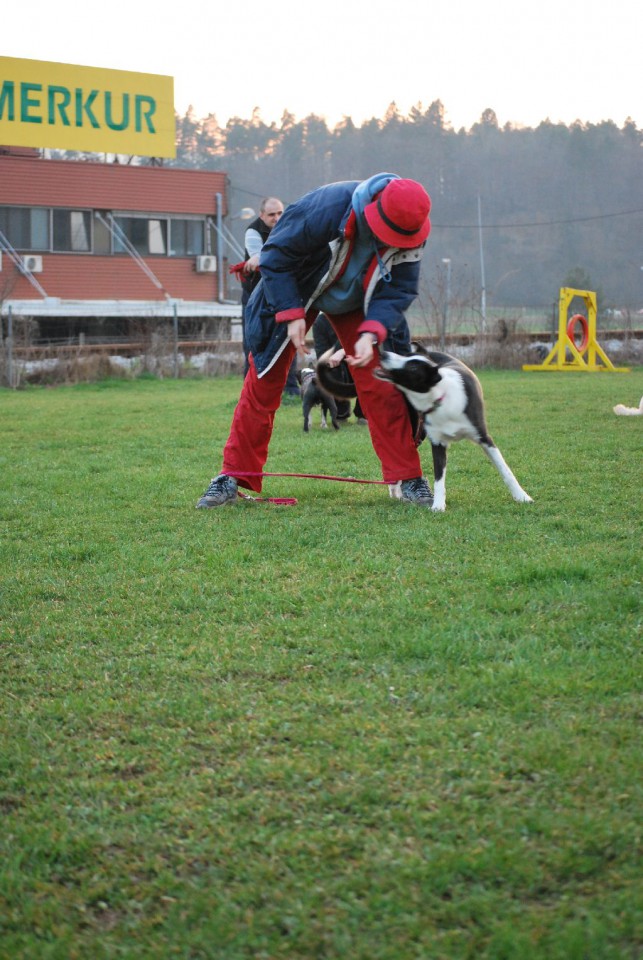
{"points": [[523, 497]]}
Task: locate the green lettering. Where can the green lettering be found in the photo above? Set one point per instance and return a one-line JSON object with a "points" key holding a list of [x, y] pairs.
{"points": [[109, 120], [85, 106], [27, 102], [64, 97], [144, 114], [7, 95]]}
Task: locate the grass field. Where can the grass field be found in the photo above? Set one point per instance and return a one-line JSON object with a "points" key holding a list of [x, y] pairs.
{"points": [[343, 729]]}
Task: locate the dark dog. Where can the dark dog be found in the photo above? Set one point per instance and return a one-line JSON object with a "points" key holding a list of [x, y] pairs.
{"points": [[313, 395], [448, 396]]}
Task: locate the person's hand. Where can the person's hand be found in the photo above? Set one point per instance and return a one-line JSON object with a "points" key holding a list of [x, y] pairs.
{"points": [[336, 358], [297, 333], [364, 351], [251, 264]]}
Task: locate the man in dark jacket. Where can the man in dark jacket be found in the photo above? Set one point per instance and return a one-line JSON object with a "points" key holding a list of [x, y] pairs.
{"points": [[254, 238], [351, 250]]}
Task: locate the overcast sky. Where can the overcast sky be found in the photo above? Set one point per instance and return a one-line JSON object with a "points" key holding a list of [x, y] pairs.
{"points": [[558, 59]]}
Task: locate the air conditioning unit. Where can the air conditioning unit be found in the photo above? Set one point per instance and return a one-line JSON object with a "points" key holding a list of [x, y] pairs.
{"points": [[206, 264], [32, 264]]}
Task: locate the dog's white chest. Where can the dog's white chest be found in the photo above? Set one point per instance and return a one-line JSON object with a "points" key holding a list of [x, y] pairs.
{"points": [[446, 430], [446, 422]]}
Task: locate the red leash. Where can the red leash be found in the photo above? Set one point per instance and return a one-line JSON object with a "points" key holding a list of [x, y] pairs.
{"points": [[291, 501], [308, 476]]}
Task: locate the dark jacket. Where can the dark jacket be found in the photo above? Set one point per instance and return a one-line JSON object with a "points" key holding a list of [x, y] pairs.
{"points": [[305, 254], [250, 280]]}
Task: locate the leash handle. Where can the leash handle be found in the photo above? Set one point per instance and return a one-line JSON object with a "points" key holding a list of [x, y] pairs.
{"points": [[279, 501]]}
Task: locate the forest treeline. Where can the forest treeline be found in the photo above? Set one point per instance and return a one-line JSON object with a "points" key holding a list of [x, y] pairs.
{"points": [[523, 207]]}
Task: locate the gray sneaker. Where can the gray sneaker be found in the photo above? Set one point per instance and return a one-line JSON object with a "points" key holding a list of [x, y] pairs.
{"points": [[416, 491], [223, 489]]}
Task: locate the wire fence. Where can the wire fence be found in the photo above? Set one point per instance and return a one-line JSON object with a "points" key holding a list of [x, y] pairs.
{"points": [[33, 351]]}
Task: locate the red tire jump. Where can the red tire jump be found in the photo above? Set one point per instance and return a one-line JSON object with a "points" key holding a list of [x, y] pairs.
{"points": [[579, 318]]}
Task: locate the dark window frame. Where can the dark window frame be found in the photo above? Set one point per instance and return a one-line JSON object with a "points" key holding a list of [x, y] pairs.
{"points": [[62, 233], [39, 229], [21, 234]]}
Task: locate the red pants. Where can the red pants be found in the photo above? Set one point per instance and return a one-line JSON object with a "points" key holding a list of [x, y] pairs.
{"points": [[383, 405]]}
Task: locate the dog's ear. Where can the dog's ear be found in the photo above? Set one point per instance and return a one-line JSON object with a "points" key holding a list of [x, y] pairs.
{"points": [[421, 350], [298, 375]]}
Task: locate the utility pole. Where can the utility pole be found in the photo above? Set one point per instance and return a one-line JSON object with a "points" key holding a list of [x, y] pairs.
{"points": [[445, 313], [483, 295]]}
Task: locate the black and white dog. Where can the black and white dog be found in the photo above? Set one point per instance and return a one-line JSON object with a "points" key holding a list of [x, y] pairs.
{"points": [[448, 396], [313, 395]]}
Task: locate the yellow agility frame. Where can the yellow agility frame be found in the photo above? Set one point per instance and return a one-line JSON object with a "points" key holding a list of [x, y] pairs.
{"points": [[581, 360]]}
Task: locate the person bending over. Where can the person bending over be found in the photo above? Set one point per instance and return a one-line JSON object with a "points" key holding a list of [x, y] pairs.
{"points": [[352, 250]]}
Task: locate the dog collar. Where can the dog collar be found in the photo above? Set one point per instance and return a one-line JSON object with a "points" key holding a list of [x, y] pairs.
{"points": [[438, 403]]}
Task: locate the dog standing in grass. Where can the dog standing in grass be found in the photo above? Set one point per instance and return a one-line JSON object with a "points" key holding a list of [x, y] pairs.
{"points": [[447, 396], [313, 395]]}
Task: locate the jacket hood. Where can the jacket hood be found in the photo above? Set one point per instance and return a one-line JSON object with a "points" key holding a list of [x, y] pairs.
{"points": [[366, 192]]}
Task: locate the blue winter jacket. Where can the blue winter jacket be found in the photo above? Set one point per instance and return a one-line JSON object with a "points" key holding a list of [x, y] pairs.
{"points": [[305, 254]]}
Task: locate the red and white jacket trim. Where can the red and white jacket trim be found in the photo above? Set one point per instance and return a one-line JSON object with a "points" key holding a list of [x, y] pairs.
{"points": [[340, 252]]}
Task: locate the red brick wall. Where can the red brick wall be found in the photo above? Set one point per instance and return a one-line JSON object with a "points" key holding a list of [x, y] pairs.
{"points": [[27, 181], [72, 277]]}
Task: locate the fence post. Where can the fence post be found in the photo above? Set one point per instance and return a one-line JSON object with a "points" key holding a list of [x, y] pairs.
{"points": [[10, 347], [176, 341]]}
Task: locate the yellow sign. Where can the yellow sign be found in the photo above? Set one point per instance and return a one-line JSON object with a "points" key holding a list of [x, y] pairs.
{"points": [[68, 107]]}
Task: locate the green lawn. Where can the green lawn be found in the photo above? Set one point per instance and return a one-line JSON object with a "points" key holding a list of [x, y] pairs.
{"points": [[346, 729]]}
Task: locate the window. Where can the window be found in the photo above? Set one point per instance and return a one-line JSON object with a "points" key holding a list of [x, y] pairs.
{"points": [[147, 236], [77, 231], [26, 228], [186, 238], [102, 239], [72, 231]]}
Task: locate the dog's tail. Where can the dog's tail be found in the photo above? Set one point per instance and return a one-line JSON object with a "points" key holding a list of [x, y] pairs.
{"points": [[336, 380]]}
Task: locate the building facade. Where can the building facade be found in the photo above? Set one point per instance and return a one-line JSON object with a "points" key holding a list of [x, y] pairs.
{"points": [[86, 239]]}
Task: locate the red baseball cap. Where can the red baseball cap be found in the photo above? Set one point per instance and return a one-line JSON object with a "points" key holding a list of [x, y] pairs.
{"points": [[399, 215]]}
